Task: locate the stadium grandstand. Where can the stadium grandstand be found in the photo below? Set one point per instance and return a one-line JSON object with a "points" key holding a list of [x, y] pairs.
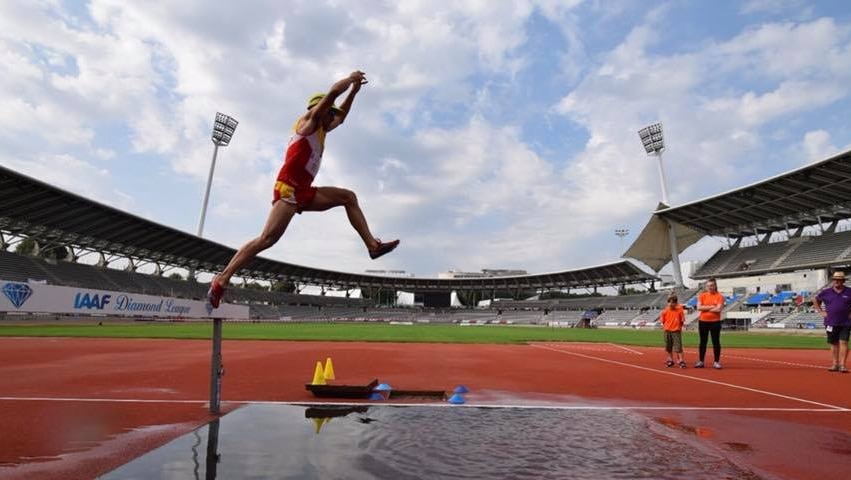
{"points": [[778, 232], [54, 218], [791, 224]]}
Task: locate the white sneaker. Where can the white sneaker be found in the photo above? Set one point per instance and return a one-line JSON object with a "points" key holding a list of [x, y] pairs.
{"points": [[698, 365], [717, 365]]}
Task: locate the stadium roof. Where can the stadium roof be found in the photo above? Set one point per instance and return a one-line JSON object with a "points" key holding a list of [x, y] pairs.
{"points": [[51, 215], [811, 195]]}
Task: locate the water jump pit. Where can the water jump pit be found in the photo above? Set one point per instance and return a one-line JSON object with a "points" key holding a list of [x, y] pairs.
{"points": [[367, 441]]}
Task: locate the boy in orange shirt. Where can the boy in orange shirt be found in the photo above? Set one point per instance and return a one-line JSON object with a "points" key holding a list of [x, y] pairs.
{"points": [[673, 318]]}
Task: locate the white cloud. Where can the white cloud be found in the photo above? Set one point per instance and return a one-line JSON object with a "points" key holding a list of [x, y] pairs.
{"points": [[20, 117], [789, 97], [104, 153], [815, 49], [19, 71], [817, 146], [71, 173], [153, 130]]}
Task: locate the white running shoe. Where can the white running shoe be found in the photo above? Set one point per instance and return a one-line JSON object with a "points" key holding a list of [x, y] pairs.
{"points": [[698, 365], [717, 365]]}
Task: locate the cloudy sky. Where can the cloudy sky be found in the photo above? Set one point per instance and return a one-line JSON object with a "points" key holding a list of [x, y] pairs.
{"points": [[492, 134]]}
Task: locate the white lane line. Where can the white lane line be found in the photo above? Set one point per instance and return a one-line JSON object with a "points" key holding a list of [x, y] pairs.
{"points": [[665, 372], [559, 407], [97, 400], [780, 362], [831, 409], [596, 347], [627, 349], [589, 347]]}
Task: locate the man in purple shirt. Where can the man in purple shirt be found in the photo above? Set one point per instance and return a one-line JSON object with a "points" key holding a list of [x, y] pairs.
{"points": [[837, 319]]}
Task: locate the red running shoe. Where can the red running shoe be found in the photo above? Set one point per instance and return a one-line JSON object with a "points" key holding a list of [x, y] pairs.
{"points": [[215, 293], [383, 248]]}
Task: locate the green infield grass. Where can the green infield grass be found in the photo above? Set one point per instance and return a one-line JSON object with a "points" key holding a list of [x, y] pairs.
{"points": [[375, 332]]}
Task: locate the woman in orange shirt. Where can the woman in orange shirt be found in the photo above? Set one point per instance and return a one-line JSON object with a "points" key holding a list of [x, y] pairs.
{"points": [[710, 303], [673, 318]]}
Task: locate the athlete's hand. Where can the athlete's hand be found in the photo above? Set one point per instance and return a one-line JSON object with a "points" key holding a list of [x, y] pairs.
{"points": [[357, 78]]}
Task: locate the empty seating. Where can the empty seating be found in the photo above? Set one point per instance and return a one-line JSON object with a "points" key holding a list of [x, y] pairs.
{"points": [[21, 268], [568, 317], [617, 316], [820, 249], [810, 251], [648, 317]]}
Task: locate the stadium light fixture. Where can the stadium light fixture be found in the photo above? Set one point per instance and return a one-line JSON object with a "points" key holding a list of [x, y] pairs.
{"points": [[621, 233], [654, 144], [223, 130], [652, 138]]}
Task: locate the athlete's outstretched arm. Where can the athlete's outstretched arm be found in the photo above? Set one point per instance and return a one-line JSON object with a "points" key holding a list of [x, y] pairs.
{"points": [[346, 107], [311, 121]]}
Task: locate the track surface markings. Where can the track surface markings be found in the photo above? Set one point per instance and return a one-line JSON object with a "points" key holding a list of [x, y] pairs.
{"points": [[779, 362], [698, 379], [829, 409], [595, 347]]}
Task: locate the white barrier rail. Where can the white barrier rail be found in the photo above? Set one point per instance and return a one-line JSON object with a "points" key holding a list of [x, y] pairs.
{"points": [[33, 297]]}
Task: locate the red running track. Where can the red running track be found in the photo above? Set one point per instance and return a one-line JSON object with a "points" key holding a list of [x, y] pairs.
{"points": [[77, 408]]}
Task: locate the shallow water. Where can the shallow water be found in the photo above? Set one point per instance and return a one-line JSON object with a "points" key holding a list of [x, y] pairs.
{"points": [[420, 442]]}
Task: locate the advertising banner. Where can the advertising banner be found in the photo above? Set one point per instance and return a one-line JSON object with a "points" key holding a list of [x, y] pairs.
{"points": [[33, 297]]}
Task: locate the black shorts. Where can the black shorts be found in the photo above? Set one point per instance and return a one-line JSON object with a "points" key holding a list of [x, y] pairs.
{"points": [[838, 334]]}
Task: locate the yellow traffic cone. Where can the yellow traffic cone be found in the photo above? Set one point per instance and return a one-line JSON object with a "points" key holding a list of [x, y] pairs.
{"points": [[329, 369], [317, 424], [318, 375]]}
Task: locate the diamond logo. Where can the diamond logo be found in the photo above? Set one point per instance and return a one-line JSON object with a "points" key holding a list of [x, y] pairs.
{"points": [[17, 293]]}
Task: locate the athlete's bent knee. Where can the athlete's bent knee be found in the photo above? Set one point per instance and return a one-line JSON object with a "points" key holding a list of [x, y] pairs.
{"points": [[348, 198]]}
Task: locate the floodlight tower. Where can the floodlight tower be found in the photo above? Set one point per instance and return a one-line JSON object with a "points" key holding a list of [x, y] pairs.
{"points": [[621, 233], [223, 131], [654, 144]]}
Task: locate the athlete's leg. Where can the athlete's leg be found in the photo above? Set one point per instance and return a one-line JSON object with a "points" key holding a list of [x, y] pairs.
{"points": [[703, 333], [716, 340], [842, 354], [330, 197], [279, 218]]}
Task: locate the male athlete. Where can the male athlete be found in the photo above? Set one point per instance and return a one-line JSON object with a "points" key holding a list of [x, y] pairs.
{"points": [[294, 190]]}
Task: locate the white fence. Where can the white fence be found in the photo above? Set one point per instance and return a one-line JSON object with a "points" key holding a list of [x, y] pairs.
{"points": [[33, 297]]}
